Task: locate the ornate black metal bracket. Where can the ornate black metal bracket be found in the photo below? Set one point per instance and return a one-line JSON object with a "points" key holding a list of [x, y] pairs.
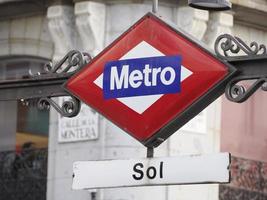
{"points": [[250, 62], [70, 64], [231, 48], [69, 108], [44, 86]]}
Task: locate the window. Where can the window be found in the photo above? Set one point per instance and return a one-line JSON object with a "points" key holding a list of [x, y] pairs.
{"points": [[21, 122], [23, 132]]}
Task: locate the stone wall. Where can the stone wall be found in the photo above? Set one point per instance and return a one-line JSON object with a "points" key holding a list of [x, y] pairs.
{"points": [[26, 36]]}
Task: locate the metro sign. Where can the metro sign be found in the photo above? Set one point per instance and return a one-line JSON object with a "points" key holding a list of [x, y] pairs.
{"points": [[151, 80]]}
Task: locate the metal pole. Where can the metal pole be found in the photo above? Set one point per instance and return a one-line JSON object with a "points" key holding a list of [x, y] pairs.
{"points": [[150, 152], [155, 6]]}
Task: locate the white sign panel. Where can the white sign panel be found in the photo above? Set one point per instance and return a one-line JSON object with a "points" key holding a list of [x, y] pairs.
{"points": [[152, 171], [80, 128]]}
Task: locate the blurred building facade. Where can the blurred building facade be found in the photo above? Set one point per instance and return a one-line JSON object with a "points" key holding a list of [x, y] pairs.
{"points": [[35, 32]]}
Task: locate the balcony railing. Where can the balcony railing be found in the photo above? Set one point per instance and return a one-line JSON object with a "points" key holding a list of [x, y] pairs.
{"points": [[23, 175], [249, 181]]}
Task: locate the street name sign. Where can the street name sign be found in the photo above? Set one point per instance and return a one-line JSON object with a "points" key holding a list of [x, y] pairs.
{"points": [[151, 80], [213, 168]]}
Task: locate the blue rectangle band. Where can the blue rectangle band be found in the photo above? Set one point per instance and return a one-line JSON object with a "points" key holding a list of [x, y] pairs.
{"points": [[142, 76]]}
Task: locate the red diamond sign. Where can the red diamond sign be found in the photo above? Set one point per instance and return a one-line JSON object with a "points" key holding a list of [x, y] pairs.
{"points": [[151, 80]]}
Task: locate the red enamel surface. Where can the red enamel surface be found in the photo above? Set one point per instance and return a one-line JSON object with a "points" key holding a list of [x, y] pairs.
{"points": [[207, 71]]}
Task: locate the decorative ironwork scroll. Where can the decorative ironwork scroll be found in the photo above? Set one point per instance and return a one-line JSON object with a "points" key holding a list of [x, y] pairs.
{"points": [[239, 93], [69, 108], [69, 64], [250, 62], [228, 46]]}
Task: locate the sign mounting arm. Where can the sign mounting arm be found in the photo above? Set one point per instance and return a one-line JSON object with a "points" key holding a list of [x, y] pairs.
{"points": [[150, 152], [155, 6], [38, 89], [250, 62]]}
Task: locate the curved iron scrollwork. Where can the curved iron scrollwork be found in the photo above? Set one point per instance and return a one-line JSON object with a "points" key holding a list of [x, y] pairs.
{"points": [[69, 64], [69, 108], [238, 93], [250, 63], [228, 46]]}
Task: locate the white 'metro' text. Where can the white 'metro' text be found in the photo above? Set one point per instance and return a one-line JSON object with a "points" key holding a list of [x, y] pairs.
{"points": [[148, 76]]}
